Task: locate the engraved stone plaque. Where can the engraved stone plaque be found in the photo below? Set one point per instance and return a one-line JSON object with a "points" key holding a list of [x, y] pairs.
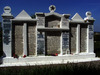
{"points": [[40, 44], [65, 42], [6, 31]]}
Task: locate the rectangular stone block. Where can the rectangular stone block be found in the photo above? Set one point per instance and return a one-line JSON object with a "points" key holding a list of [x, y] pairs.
{"points": [[18, 39], [73, 38], [53, 22], [83, 38], [53, 42], [31, 39]]}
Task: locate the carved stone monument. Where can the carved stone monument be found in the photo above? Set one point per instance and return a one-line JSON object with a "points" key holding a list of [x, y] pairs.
{"points": [[46, 36]]}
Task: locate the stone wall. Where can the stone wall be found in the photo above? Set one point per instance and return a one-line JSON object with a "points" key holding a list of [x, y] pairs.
{"points": [[53, 42], [31, 39], [83, 38], [73, 38], [18, 39]]}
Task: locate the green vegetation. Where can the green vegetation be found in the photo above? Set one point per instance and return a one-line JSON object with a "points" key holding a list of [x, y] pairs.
{"points": [[60, 69], [97, 43]]}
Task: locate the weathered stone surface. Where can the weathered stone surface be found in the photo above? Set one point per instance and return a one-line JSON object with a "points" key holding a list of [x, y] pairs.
{"points": [[41, 21], [65, 22], [31, 39], [53, 21], [53, 42], [73, 38], [18, 39], [83, 38]]}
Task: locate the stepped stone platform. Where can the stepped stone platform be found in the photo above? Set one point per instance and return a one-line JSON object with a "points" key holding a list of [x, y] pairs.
{"points": [[47, 60]]}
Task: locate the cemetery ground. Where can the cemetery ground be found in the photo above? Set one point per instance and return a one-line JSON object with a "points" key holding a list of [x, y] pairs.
{"points": [[57, 69]]}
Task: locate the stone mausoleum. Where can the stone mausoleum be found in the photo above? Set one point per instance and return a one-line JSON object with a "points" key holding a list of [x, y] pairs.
{"points": [[47, 35]]}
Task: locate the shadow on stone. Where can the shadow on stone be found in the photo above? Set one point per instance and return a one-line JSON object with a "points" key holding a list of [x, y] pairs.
{"points": [[1, 58]]}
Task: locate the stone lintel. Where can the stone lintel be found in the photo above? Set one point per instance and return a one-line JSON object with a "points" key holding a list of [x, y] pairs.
{"points": [[41, 14], [53, 29], [53, 13], [66, 15], [32, 20]]}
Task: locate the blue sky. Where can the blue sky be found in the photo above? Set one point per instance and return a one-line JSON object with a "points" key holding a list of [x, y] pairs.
{"points": [[62, 7]]}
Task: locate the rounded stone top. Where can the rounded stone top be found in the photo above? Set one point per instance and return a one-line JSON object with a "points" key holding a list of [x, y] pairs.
{"points": [[88, 14], [7, 9], [52, 8]]}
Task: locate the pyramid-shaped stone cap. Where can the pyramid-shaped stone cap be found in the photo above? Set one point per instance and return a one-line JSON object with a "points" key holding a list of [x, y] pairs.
{"points": [[77, 18], [23, 15]]}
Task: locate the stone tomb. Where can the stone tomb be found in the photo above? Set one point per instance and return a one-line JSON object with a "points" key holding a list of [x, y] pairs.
{"points": [[46, 36]]}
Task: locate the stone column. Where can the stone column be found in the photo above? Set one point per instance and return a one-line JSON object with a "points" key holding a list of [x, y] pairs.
{"points": [[61, 52], [90, 32], [36, 41], [78, 39], [25, 39], [7, 31], [90, 39], [87, 39]]}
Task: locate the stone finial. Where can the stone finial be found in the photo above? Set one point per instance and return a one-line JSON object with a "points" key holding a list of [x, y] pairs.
{"points": [[7, 11], [88, 16], [52, 8]]}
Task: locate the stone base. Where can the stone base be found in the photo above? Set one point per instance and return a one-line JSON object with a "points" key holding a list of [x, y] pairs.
{"points": [[43, 60]]}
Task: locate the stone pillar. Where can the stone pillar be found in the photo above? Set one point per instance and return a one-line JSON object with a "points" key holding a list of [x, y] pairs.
{"points": [[87, 39], [90, 32], [61, 52], [7, 31], [90, 39], [78, 39], [25, 39], [36, 41]]}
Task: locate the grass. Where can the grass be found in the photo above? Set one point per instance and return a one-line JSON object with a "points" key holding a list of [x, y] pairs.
{"points": [[60, 69]]}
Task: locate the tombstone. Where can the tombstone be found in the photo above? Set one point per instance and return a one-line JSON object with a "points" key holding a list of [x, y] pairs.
{"points": [[49, 34]]}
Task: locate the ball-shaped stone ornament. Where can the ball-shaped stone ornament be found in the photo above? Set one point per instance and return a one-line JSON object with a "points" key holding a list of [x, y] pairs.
{"points": [[88, 14], [7, 9]]}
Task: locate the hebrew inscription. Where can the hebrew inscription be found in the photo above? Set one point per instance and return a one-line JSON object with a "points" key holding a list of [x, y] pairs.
{"points": [[6, 31], [65, 42]]}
